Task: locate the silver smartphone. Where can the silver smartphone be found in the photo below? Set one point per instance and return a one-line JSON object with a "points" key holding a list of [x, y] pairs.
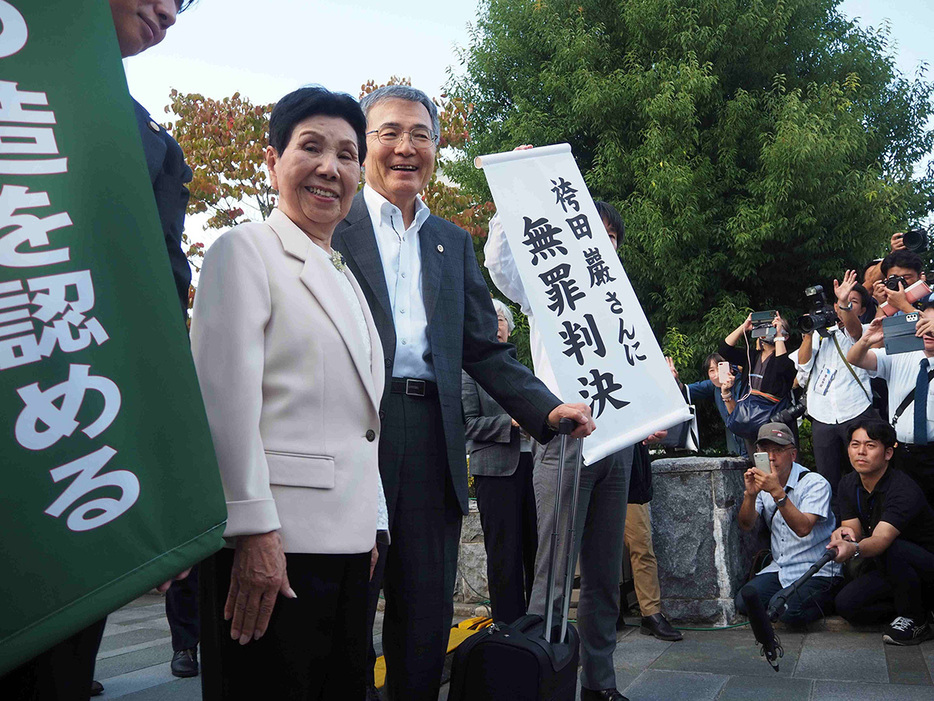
{"points": [[762, 462]]}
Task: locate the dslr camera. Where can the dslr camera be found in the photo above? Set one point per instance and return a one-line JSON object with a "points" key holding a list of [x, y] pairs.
{"points": [[915, 240], [821, 315]]}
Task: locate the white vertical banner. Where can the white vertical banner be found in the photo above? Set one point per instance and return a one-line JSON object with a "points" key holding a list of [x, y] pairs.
{"points": [[593, 329]]}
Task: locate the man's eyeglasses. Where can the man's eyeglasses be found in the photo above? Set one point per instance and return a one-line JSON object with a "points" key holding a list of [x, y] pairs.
{"points": [[391, 136]]}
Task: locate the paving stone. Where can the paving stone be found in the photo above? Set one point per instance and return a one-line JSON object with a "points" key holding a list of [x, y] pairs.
{"points": [[907, 666], [140, 679], [635, 652], [131, 637], [176, 690], [133, 659], [728, 652], [774, 688], [849, 691], [857, 657], [659, 685], [927, 649]]}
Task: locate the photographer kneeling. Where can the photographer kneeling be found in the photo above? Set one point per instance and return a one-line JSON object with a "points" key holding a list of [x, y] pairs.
{"points": [[795, 504], [838, 395]]}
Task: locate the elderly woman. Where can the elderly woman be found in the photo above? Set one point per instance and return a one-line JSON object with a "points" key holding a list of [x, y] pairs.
{"points": [[501, 467], [291, 369]]}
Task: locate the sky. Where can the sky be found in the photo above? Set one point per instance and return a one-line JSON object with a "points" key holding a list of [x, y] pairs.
{"points": [[266, 49]]}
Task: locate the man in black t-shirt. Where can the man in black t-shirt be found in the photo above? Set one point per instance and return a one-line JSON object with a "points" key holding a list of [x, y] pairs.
{"points": [[885, 517]]}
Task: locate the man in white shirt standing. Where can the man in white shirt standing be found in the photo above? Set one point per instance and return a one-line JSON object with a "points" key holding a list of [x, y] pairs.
{"points": [[911, 395], [838, 395], [602, 503]]}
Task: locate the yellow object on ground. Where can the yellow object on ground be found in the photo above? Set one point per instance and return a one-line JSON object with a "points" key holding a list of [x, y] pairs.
{"points": [[459, 634]]}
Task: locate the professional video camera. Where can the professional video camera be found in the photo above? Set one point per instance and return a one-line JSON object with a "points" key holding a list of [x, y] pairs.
{"points": [[916, 240], [762, 325], [821, 316]]}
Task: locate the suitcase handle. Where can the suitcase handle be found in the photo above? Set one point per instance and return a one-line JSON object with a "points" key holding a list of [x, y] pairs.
{"points": [[565, 426]]}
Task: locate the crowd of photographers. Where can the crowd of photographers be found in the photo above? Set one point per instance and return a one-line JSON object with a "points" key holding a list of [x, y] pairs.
{"points": [[861, 375]]}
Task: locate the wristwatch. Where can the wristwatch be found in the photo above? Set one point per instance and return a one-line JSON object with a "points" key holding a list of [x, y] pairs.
{"points": [[781, 502], [846, 308], [856, 554]]}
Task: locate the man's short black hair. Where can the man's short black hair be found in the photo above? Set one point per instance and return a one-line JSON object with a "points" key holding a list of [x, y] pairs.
{"points": [[927, 305], [303, 103], [609, 213], [877, 430], [864, 297], [902, 258]]}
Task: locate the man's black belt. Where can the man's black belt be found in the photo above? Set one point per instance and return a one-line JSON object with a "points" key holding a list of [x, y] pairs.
{"points": [[413, 387]]}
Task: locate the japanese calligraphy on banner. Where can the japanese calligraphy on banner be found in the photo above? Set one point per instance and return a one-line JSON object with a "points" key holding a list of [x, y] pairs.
{"points": [[109, 481], [593, 330]]}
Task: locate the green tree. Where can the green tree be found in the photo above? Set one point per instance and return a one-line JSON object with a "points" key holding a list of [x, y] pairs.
{"points": [[754, 147]]}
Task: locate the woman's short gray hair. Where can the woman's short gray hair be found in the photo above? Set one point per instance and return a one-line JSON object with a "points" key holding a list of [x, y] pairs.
{"points": [[403, 92], [501, 308]]}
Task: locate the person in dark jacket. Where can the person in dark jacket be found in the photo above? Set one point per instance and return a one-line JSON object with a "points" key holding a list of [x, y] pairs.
{"points": [[501, 467]]}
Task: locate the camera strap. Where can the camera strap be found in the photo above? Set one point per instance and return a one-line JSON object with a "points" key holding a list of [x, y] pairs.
{"points": [[908, 400], [850, 368]]}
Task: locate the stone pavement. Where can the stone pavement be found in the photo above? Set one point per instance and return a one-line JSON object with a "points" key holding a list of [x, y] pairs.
{"points": [[724, 665]]}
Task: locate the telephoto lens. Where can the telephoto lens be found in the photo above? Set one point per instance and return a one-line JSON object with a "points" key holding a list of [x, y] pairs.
{"points": [[916, 240]]}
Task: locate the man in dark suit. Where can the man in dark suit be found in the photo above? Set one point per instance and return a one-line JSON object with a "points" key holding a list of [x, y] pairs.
{"points": [[501, 467], [435, 318]]}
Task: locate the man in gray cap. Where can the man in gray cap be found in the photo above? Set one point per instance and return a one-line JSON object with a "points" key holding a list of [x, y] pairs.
{"points": [[795, 503]]}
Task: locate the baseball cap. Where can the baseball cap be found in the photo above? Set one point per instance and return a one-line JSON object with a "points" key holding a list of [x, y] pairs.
{"points": [[777, 433]]}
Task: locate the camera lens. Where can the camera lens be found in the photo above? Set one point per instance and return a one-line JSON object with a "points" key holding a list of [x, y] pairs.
{"points": [[806, 323], [915, 240]]}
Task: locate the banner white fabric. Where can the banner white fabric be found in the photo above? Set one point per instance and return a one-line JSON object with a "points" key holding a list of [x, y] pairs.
{"points": [[593, 329]]}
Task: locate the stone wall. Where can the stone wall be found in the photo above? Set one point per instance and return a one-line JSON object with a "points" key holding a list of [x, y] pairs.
{"points": [[470, 587], [703, 556]]}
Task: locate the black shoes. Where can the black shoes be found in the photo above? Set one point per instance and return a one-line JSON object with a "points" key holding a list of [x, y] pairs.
{"points": [[906, 631], [185, 663], [602, 695], [658, 625], [372, 694], [96, 688]]}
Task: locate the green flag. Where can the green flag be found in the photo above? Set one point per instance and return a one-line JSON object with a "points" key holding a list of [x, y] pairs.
{"points": [[109, 481]]}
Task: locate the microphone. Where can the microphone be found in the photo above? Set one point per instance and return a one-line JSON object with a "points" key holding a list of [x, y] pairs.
{"points": [[778, 604], [761, 626]]}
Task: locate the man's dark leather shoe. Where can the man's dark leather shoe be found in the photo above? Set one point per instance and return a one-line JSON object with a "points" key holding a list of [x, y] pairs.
{"points": [[185, 663], [96, 688], [372, 694], [658, 625], [602, 695]]}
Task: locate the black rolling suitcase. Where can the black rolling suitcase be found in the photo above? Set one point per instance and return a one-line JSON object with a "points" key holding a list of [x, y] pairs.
{"points": [[532, 659]]}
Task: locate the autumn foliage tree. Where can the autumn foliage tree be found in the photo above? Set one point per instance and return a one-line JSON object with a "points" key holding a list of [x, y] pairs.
{"points": [[224, 143]]}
